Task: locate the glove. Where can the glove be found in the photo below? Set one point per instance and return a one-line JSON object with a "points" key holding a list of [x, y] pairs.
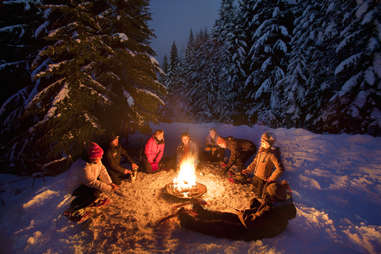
{"points": [[223, 165], [155, 166]]}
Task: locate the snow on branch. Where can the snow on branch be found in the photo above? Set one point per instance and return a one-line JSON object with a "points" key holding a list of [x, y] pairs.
{"points": [[25, 2], [129, 98], [281, 46], [61, 95], [261, 41], [53, 162], [261, 27], [43, 91], [122, 37], [95, 82], [20, 94], [95, 92], [69, 26], [349, 61], [349, 84], [5, 65], [263, 88], [91, 120], [50, 68], [145, 91], [39, 29], [37, 71], [346, 41]]}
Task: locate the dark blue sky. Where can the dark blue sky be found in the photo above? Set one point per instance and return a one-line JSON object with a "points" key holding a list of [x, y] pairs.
{"points": [[173, 19]]}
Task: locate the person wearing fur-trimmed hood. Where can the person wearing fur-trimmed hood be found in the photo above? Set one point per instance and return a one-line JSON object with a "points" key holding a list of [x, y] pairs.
{"points": [[266, 166]]}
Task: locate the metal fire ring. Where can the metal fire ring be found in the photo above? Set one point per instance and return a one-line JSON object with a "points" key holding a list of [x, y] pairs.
{"points": [[195, 192]]}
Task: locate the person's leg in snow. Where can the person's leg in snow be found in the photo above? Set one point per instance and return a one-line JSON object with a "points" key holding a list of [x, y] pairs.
{"points": [[85, 196]]}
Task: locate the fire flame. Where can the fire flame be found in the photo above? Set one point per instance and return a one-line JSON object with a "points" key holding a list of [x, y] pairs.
{"points": [[187, 175]]}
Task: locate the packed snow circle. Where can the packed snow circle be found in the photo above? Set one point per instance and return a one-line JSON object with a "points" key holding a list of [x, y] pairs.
{"points": [[335, 180]]}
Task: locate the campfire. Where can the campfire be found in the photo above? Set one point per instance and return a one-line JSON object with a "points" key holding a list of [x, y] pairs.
{"points": [[184, 185]]}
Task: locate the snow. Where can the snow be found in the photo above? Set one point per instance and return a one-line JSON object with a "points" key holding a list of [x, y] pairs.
{"points": [[349, 84], [122, 37], [42, 27], [362, 9], [145, 91], [25, 2], [129, 99], [335, 179], [377, 64], [61, 95]]}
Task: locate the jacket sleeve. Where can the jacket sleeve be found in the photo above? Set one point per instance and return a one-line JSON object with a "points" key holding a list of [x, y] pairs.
{"points": [[112, 163], [161, 152], [275, 158], [92, 181], [148, 150], [252, 165], [104, 176], [125, 154], [233, 155]]}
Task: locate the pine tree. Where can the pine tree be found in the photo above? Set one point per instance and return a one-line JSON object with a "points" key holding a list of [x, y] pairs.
{"points": [[302, 98], [356, 102], [268, 61], [165, 64], [18, 43], [96, 75]]}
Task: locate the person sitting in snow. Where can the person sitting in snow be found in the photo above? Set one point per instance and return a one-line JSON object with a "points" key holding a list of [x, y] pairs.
{"points": [[186, 150], [212, 152], [266, 166], [240, 151], [113, 156], [153, 152], [89, 178]]}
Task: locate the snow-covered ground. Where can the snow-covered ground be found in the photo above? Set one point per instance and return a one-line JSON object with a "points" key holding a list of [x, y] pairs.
{"points": [[336, 182]]}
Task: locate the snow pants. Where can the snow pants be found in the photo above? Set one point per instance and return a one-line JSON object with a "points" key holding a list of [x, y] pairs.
{"points": [[84, 196]]}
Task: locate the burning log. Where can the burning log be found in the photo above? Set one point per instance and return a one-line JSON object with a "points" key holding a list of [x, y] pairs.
{"points": [[184, 186]]}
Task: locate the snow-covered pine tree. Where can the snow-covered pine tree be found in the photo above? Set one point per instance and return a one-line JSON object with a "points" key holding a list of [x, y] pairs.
{"points": [[268, 60], [200, 77], [165, 64], [176, 107], [96, 74], [302, 98], [18, 43], [356, 102], [225, 37]]}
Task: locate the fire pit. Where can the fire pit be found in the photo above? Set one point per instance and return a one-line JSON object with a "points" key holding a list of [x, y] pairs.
{"points": [[184, 186]]}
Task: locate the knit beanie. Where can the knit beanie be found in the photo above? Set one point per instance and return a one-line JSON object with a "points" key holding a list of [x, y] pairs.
{"points": [[94, 151]]}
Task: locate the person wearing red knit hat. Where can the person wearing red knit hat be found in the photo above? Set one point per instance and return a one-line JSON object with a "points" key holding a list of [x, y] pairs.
{"points": [[89, 178]]}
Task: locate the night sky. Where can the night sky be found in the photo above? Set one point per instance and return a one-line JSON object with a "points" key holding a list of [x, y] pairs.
{"points": [[173, 19]]}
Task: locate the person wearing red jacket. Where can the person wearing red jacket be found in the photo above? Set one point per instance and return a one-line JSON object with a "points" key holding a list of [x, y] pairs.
{"points": [[153, 152]]}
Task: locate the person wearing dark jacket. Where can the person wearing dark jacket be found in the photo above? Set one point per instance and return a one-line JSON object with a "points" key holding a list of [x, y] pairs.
{"points": [[153, 152], [113, 156], [212, 152], [240, 151], [266, 166], [186, 150]]}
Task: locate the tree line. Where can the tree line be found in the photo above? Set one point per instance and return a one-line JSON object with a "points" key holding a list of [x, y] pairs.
{"points": [[310, 64]]}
